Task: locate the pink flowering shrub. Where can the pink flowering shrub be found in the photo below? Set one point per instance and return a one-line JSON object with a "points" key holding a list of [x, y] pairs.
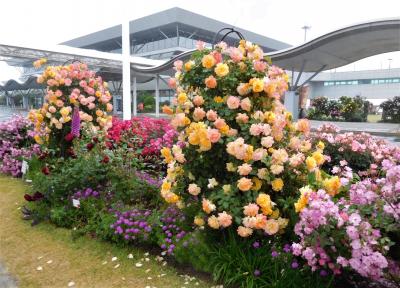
{"points": [[361, 152], [355, 231], [145, 135], [16, 144]]}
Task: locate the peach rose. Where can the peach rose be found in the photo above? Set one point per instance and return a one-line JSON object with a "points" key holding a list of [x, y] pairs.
{"points": [[207, 206], [219, 123], [233, 102], [172, 83], [271, 227], [198, 100], [199, 114], [267, 141], [194, 189], [244, 231], [251, 209], [256, 129], [244, 169], [213, 135], [235, 54], [211, 115], [224, 219], [52, 109], [210, 82], [232, 132], [244, 184], [303, 125], [208, 61], [245, 104]]}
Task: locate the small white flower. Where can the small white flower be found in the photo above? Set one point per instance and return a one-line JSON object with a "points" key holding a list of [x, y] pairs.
{"points": [[114, 259], [130, 256], [138, 264]]}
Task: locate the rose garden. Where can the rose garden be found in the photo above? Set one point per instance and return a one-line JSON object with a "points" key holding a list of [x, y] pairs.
{"points": [[228, 186]]}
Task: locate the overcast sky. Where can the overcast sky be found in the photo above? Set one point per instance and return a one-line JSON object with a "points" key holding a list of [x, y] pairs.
{"points": [[49, 22]]}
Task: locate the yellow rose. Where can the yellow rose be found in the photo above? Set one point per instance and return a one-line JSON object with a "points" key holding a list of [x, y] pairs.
{"points": [[218, 99], [332, 185], [166, 153], [64, 111], [166, 186], [319, 158], [182, 98], [221, 69], [230, 167], [263, 200], [244, 184], [311, 163], [189, 65], [277, 184], [171, 198], [208, 61], [258, 85], [198, 221], [320, 145], [213, 222], [38, 139], [226, 188], [257, 184]]}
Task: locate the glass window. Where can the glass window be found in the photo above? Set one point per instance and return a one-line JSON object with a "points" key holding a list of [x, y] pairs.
{"points": [[396, 80]]}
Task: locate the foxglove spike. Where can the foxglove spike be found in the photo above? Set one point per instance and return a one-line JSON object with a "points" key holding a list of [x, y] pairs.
{"points": [[76, 123]]}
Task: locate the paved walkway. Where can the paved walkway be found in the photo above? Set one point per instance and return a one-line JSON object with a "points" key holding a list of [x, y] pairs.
{"points": [[383, 129], [6, 281], [6, 113]]}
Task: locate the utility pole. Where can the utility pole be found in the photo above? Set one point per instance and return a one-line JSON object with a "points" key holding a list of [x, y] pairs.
{"points": [[305, 28]]}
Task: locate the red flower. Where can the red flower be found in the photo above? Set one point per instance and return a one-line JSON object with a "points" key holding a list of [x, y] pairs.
{"points": [[105, 160], [71, 152], [37, 196], [69, 137], [89, 146], [46, 170], [95, 140], [28, 198]]}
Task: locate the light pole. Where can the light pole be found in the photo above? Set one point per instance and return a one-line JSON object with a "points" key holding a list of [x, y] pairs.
{"points": [[305, 27], [390, 62]]}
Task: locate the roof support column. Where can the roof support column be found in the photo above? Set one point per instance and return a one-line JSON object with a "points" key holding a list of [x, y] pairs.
{"points": [[126, 72], [157, 96], [134, 90]]}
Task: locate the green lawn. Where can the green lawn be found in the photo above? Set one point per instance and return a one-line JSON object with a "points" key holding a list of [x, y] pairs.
{"points": [[373, 118], [86, 262]]}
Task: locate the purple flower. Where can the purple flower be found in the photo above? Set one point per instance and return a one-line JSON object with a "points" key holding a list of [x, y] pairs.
{"points": [[257, 272], [294, 265], [256, 245], [274, 254], [76, 122]]}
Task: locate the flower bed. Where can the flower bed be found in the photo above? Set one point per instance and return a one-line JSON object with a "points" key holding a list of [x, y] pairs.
{"points": [[247, 195]]}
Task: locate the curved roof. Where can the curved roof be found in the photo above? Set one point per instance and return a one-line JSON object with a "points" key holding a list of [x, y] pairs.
{"points": [[342, 47], [14, 84], [332, 50]]}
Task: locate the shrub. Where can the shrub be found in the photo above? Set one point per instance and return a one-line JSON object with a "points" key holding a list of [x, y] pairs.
{"points": [[16, 145], [242, 160], [391, 110], [74, 95]]}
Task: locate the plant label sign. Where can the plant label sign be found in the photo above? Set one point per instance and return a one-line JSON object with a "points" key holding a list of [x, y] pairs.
{"points": [[76, 203], [24, 167]]}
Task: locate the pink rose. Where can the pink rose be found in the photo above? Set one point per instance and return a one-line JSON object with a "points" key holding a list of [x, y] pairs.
{"points": [[211, 115], [219, 123], [67, 82], [233, 102], [232, 132], [251, 209], [256, 129], [200, 45], [198, 100], [172, 83], [242, 118], [217, 56], [244, 169], [259, 66], [245, 104], [178, 65], [198, 114], [258, 154], [235, 54], [213, 135]]}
